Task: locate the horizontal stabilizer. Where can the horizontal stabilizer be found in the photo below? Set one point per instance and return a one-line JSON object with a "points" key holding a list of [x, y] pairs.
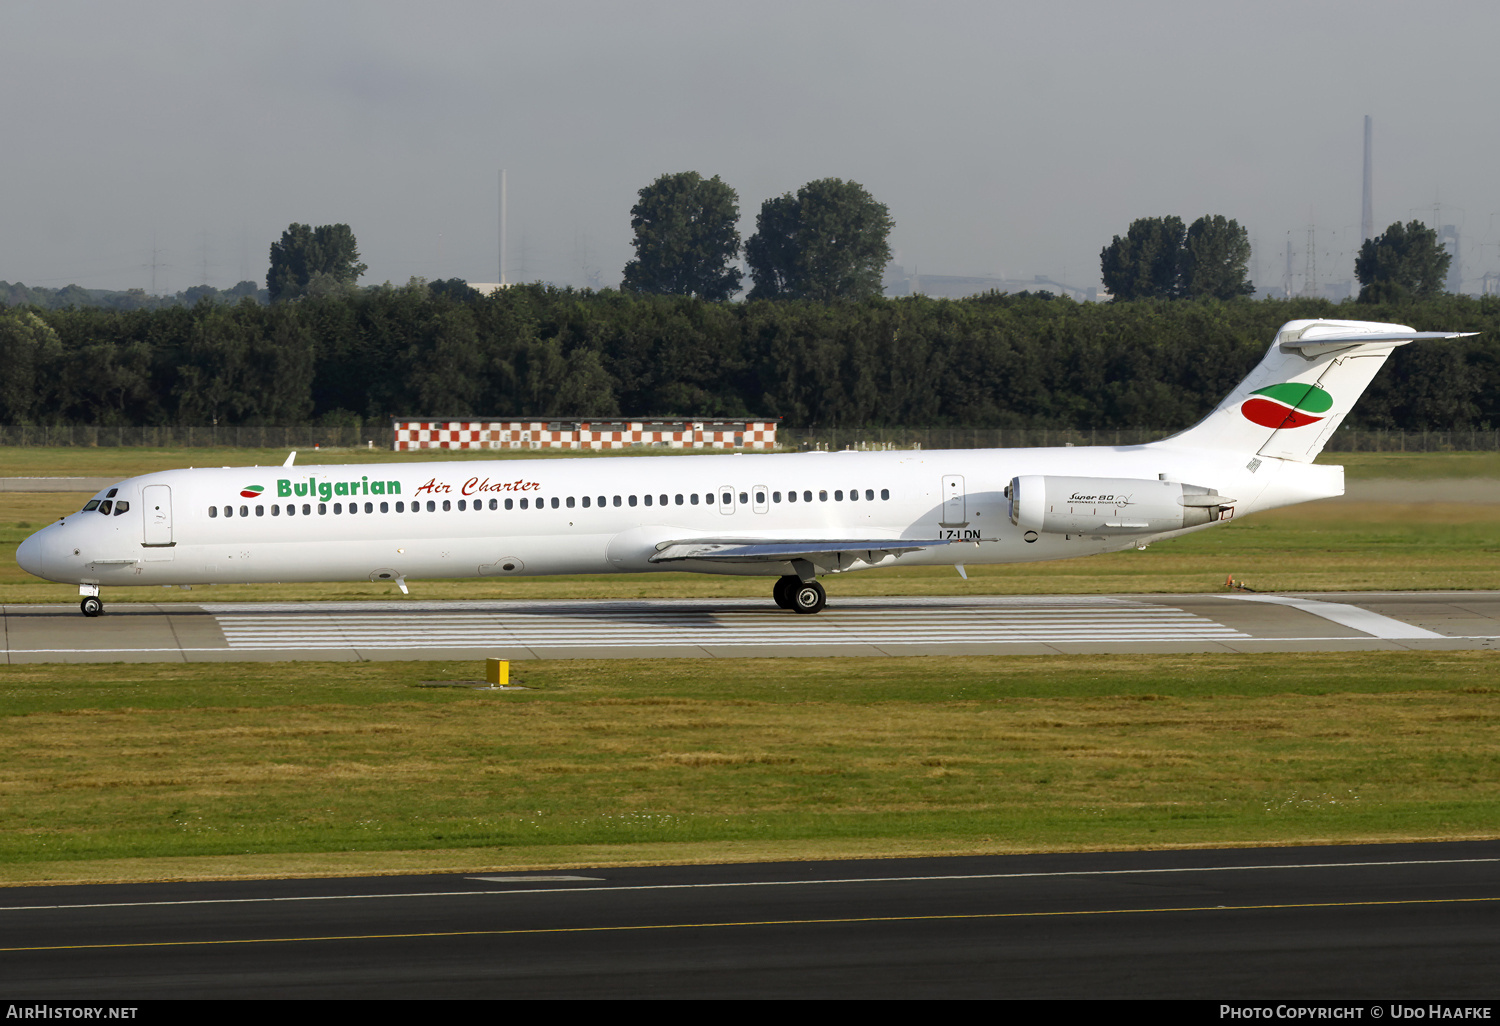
{"points": [[731, 550], [1313, 344]]}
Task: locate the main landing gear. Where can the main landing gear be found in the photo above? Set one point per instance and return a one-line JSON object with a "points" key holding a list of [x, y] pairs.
{"points": [[800, 597]]}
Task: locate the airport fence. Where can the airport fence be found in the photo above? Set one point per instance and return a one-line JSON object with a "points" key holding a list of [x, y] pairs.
{"points": [[379, 436], [246, 436], [1343, 440]]}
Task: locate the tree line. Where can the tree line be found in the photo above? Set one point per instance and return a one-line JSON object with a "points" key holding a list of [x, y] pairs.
{"points": [[1009, 361], [1159, 258]]}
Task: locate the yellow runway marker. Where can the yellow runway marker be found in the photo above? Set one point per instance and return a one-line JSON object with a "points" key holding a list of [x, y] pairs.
{"points": [[767, 922]]}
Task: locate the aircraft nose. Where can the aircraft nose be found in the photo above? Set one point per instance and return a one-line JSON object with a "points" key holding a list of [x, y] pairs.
{"points": [[29, 555]]}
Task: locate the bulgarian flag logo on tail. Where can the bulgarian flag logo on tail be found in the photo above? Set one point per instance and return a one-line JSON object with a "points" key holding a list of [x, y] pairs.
{"points": [[253, 492], [1287, 405]]}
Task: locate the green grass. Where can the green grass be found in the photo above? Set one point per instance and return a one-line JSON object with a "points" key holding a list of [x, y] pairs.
{"points": [[82, 461], [1414, 466], [134, 771], [1313, 547]]}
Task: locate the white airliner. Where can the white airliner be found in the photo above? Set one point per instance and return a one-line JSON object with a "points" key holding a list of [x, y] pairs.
{"points": [[789, 516]]}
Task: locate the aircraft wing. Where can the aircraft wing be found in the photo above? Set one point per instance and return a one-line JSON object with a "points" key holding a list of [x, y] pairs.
{"points": [[832, 554]]}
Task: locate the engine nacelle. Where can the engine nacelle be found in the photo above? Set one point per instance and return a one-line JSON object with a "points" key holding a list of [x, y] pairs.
{"points": [[1111, 505]]}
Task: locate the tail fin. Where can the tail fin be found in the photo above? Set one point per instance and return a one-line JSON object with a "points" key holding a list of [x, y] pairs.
{"points": [[1302, 389]]}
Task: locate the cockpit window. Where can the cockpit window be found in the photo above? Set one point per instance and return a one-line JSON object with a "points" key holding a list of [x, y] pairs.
{"points": [[92, 505], [105, 506], [121, 507], [111, 493]]}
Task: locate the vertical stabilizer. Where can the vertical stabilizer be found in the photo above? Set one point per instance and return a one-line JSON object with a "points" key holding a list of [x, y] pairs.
{"points": [[1301, 390]]}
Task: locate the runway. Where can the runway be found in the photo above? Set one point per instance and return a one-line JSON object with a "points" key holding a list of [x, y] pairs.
{"points": [[752, 628], [1359, 922]]}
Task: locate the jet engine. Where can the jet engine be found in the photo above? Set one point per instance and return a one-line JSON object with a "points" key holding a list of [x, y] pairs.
{"points": [[1111, 505]]}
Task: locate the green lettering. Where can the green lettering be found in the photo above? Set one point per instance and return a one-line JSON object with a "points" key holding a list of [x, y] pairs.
{"points": [[283, 489]]}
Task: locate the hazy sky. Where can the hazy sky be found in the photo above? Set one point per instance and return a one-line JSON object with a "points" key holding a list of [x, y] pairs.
{"points": [[1006, 138]]}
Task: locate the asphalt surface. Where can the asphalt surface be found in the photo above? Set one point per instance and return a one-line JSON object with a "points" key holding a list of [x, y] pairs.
{"points": [[1418, 921], [738, 628]]}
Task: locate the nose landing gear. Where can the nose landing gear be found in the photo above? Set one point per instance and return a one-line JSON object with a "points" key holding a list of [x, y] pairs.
{"points": [[90, 603], [792, 593]]}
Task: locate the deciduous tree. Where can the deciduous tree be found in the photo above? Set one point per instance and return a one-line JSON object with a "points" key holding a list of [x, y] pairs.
{"points": [[304, 253], [1147, 262], [686, 234], [1404, 263], [1215, 259], [829, 241]]}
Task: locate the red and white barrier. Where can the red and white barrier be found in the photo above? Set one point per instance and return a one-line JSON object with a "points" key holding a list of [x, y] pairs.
{"points": [[582, 434]]}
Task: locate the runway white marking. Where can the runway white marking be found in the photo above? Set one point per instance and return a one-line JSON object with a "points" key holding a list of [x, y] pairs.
{"points": [[635, 626], [626, 888], [1374, 624]]}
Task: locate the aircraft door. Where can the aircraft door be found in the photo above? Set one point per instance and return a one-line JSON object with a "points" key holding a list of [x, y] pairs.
{"points": [[156, 508], [726, 499], [954, 505]]}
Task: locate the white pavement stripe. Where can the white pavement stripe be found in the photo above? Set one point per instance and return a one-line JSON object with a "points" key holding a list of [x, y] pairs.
{"points": [[727, 884], [625, 627], [1374, 624]]}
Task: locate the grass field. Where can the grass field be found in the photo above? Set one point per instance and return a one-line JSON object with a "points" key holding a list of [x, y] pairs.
{"points": [[138, 771], [82, 461], [176, 771], [1345, 546], [1312, 547]]}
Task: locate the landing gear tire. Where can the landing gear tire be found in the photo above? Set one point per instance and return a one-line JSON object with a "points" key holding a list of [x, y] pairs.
{"points": [[782, 593], [91, 606], [808, 598]]}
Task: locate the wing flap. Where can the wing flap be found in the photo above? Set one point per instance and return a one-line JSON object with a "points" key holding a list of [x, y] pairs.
{"points": [[755, 550]]}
